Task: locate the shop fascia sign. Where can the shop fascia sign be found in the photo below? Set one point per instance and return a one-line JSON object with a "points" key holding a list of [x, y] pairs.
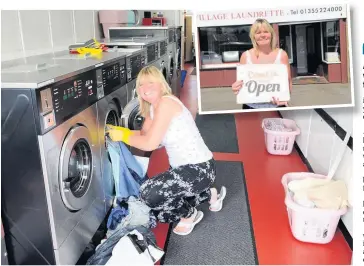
{"points": [[272, 15]]}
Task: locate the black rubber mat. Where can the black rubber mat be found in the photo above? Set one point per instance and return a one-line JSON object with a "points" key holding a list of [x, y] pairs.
{"points": [[221, 238], [219, 132]]}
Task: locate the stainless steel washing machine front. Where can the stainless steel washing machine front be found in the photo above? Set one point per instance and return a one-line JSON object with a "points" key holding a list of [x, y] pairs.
{"points": [[110, 109], [135, 61], [52, 115], [172, 71], [178, 52], [70, 156], [163, 57], [71, 165]]}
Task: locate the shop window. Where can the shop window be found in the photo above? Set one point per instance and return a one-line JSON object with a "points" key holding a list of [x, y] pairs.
{"points": [[219, 45], [330, 41], [285, 40]]}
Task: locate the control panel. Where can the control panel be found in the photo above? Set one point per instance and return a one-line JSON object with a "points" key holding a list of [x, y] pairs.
{"points": [[178, 46], [109, 78], [123, 73], [171, 36], [152, 52], [162, 48], [143, 59], [100, 84], [133, 66], [157, 50], [60, 101]]}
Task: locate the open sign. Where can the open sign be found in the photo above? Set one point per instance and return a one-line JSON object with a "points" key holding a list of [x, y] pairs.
{"points": [[262, 82]]}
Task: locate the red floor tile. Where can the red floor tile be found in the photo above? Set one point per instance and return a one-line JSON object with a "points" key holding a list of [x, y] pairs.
{"points": [[274, 241]]}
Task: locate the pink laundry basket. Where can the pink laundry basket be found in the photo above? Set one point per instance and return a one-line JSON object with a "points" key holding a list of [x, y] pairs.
{"points": [[311, 225], [280, 142]]}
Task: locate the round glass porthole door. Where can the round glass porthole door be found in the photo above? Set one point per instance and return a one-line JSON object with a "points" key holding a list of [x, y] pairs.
{"points": [[76, 169], [131, 117], [164, 71], [112, 116], [171, 67]]}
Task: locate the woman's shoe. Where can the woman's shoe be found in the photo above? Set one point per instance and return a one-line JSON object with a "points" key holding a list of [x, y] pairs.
{"points": [[217, 205], [189, 225]]}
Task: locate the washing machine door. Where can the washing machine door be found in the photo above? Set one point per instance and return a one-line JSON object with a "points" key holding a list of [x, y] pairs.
{"points": [[113, 116], [130, 117], [163, 69], [76, 169], [178, 60], [171, 67]]}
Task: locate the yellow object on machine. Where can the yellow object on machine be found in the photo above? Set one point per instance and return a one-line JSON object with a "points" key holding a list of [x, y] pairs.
{"points": [[91, 47]]}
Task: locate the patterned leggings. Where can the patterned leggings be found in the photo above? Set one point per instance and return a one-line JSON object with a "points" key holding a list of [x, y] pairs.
{"points": [[172, 195]]}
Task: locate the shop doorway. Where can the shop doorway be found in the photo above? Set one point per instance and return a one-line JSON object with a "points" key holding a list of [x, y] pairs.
{"points": [[308, 49], [302, 42]]}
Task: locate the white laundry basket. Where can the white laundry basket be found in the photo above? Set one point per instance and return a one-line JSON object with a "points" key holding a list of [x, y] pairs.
{"points": [[313, 225], [310, 224], [280, 142]]}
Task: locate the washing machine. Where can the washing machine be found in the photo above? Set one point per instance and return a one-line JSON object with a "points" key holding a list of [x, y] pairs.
{"points": [[178, 61], [163, 58], [112, 78], [172, 56], [155, 50], [52, 192], [134, 62]]}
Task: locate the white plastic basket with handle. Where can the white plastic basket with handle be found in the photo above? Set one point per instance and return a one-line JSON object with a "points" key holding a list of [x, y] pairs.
{"points": [[280, 142], [313, 225]]}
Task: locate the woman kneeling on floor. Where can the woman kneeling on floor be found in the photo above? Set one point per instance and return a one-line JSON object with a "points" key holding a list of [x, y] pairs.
{"points": [[173, 195]]}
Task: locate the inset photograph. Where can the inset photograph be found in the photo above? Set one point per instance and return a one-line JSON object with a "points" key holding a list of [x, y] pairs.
{"points": [[290, 57]]}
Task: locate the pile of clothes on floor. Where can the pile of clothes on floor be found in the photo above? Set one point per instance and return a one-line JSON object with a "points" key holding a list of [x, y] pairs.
{"points": [[319, 193], [129, 238], [276, 125]]}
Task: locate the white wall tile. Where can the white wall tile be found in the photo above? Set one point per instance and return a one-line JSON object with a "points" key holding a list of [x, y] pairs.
{"points": [[35, 30], [344, 172], [46, 31], [303, 121], [321, 140], [62, 28], [84, 24], [342, 116], [98, 27], [170, 16], [11, 42]]}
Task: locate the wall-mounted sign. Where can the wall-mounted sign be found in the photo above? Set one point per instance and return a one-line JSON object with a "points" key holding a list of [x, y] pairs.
{"points": [[261, 82], [273, 15]]}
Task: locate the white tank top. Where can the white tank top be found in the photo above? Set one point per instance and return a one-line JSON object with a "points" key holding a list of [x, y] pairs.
{"points": [[263, 105], [183, 141]]}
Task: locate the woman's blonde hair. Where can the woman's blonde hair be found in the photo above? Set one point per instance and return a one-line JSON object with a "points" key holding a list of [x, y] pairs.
{"points": [[255, 27], [151, 71]]}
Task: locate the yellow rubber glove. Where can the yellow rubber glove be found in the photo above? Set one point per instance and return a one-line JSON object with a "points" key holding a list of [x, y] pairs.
{"points": [[119, 133]]}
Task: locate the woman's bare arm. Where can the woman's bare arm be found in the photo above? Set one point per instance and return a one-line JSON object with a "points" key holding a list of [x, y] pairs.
{"points": [[166, 110], [285, 60]]}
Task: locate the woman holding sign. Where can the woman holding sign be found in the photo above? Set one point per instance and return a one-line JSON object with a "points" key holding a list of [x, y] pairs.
{"points": [[264, 51]]}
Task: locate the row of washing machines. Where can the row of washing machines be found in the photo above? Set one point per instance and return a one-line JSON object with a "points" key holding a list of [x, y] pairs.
{"points": [[56, 175]]}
